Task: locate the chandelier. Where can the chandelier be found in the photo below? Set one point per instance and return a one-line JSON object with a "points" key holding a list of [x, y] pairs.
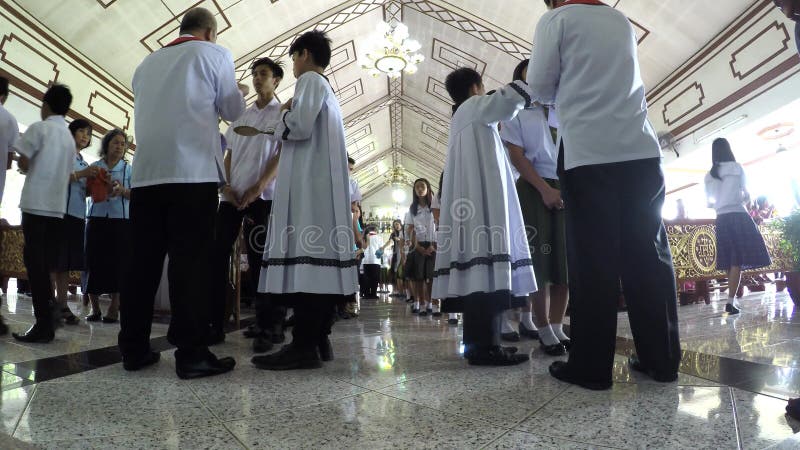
{"points": [[396, 178], [391, 52]]}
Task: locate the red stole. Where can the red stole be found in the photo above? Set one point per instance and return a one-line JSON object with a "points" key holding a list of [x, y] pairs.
{"points": [[182, 39]]}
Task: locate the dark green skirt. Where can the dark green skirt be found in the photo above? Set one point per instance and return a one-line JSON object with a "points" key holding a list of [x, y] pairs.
{"points": [[546, 234]]}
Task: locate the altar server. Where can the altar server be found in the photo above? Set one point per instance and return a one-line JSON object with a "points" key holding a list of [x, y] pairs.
{"points": [[483, 263], [309, 262], [585, 63]]}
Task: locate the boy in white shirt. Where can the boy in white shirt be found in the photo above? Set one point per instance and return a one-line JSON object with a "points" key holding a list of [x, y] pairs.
{"points": [[46, 153]]}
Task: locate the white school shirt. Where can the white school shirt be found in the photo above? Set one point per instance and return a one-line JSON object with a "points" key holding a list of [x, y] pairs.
{"points": [[585, 63], [728, 194], [250, 155], [51, 150], [424, 225], [375, 243], [179, 94], [9, 132], [355, 191], [530, 131]]}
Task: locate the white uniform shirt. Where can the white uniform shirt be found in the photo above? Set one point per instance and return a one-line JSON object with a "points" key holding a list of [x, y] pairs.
{"points": [[355, 191], [531, 131], [250, 155], [585, 63], [51, 150], [9, 132], [179, 94], [728, 194], [375, 243], [424, 226]]}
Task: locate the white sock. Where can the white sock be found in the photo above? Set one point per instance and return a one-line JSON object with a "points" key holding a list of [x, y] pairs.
{"points": [[453, 316], [526, 319], [408, 295], [416, 305], [547, 336], [507, 328], [558, 330], [435, 308], [734, 301]]}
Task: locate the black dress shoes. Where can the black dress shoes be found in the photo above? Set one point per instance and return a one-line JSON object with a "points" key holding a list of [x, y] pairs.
{"points": [[553, 350], [494, 356], [290, 357], [561, 371], [452, 321], [525, 331], [262, 343], [512, 336], [325, 349], [39, 333], [148, 359], [730, 309], [94, 317], [207, 365], [661, 377]]}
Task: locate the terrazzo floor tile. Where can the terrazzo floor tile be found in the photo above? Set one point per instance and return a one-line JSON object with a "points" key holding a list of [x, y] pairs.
{"points": [[248, 391], [762, 420], [520, 440], [207, 438], [12, 405], [642, 415], [500, 395], [369, 421]]}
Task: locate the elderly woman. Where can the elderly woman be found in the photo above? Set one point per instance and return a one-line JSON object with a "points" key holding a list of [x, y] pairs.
{"points": [[106, 235], [70, 243]]}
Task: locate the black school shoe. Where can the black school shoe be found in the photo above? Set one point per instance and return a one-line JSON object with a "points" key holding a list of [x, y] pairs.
{"points": [[206, 365], [290, 357], [452, 321], [561, 371], [524, 331], [730, 309], [148, 359], [510, 337], [661, 377], [553, 350], [40, 333], [495, 356]]}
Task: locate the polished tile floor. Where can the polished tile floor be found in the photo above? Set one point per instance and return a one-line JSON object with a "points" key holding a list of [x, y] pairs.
{"points": [[398, 381]]}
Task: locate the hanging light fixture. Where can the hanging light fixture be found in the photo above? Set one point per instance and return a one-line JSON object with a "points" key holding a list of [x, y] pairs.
{"points": [[398, 180], [391, 52]]}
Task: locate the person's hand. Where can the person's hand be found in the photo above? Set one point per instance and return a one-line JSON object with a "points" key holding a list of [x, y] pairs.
{"points": [[552, 198], [287, 105], [244, 89], [116, 189], [250, 195], [229, 195], [91, 171], [421, 250]]}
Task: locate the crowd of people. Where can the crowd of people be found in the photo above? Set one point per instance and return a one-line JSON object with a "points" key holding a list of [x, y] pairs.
{"points": [[521, 221]]}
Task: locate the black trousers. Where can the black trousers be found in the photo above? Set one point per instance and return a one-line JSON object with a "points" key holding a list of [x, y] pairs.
{"points": [[313, 313], [175, 220], [482, 321], [229, 223], [41, 235], [372, 276], [615, 231]]}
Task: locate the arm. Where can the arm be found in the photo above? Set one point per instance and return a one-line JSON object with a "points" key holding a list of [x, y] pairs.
{"points": [[228, 194], [504, 103], [356, 233], [550, 196], [543, 77], [229, 100], [296, 123], [28, 146], [254, 191]]}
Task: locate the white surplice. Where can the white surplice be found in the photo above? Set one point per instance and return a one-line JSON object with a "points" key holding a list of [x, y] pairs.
{"points": [[482, 245], [310, 239]]}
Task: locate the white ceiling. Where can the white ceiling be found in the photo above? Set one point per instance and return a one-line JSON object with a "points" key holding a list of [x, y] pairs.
{"points": [[388, 123]]}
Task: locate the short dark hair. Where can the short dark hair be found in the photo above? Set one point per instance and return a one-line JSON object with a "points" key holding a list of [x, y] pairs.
{"points": [[81, 124], [197, 19], [351, 160], [59, 98], [520, 70], [3, 86], [275, 67], [458, 83], [317, 43], [107, 140]]}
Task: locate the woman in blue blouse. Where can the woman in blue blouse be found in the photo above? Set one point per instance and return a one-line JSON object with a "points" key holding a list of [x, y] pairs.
{"points": [[106, 231], [70, 243]]}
